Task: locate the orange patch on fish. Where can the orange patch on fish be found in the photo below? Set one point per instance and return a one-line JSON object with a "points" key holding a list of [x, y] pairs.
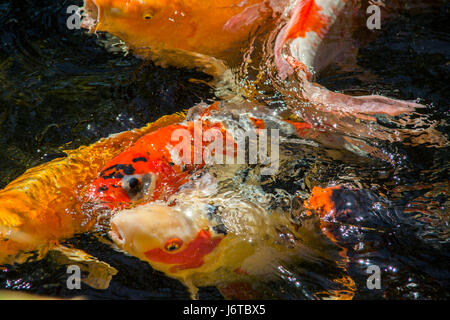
{"points": [[211, 28], [259, 124], [301, 127]]}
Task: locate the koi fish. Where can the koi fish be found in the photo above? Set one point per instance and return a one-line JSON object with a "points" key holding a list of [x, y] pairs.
{"points": [[189, 34], [228, 242], [182, 25], [301, 49], [159, 163], [220, 29]]}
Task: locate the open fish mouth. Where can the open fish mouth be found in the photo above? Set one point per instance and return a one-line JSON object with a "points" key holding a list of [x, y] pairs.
{"points": [[91, 13]]}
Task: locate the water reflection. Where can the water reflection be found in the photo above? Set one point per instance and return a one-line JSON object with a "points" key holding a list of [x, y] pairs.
{"points": [[61, 88]]}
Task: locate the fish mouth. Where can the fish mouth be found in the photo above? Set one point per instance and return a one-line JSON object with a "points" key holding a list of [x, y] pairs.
{"points": [[91, 13]]}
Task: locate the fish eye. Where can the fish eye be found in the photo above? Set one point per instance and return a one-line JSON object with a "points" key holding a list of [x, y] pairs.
{"points": [[173, 244], [138, 186], [148, 16]]}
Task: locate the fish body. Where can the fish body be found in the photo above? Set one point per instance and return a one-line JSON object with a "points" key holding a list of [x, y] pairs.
{"points": [[303, 49], [186, 243]]}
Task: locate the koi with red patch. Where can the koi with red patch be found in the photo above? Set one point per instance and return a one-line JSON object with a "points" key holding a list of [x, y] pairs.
{"points": [[190, 257], [189, 33]]}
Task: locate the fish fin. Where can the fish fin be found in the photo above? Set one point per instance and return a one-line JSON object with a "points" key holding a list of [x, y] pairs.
{"points": [[246, 17], [192, 289], [99, 273], [183, 59], [304, 33]]}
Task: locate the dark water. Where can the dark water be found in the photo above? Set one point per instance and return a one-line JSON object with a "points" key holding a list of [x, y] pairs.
{"points": [[61, 89]]}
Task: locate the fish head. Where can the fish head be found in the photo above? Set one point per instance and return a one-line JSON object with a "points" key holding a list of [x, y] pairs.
{"points": [[141, 23], [170, 239]]}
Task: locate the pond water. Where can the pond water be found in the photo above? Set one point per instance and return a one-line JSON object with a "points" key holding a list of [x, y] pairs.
{"points": [[61, 88]]}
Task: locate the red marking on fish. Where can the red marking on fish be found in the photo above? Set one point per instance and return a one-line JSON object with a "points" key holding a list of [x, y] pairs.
{"points": [[306, 17], [301, 127], [258, 123], [321, 201]]}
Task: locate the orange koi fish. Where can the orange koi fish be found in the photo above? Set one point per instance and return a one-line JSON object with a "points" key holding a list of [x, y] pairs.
{"points": [[172, 30], [214, 241], [179, 32]]}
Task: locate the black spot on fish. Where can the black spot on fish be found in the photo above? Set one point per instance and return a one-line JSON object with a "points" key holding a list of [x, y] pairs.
{"points": [[140, 159], [128, 169], [212, 212], [114, 175]]}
